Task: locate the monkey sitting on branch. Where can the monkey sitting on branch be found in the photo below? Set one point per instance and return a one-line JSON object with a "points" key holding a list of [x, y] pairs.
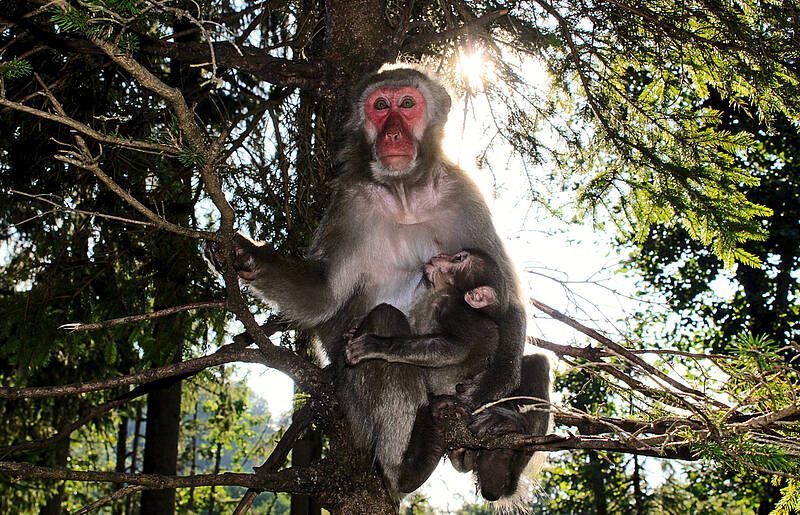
{"points": [[453, 335], [396, 201]]}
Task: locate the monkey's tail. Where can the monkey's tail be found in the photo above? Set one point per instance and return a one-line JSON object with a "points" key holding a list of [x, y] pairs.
{"points": [[517, 503]]}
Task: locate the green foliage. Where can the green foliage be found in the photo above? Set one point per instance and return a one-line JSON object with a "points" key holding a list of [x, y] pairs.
{"points": [[15, 68], [416, 504], [754, 321], [790, 499], [673, 164], [106, 19], [641, 141], [696, 489]]}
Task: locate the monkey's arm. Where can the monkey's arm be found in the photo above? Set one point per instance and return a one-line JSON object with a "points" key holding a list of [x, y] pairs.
{"points": [[428, 350], [504, 374], [299, 288]]}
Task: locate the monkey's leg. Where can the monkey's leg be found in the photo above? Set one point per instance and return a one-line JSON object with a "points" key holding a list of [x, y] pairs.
{"points": [[425, 449], [384, 320], [426, 445], [498, 470], [505, 376], [382, 399]]}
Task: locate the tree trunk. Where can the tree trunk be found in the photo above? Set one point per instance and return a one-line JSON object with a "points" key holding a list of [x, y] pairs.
{"points": [[137, 428], [190, 506], [306, 449], [217, 458], [638, 506], [122, 449], [60, 457], [598, 484], [161, 446]]}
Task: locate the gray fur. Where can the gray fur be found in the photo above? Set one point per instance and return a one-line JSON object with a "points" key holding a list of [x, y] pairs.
{"points": [[369, 248]]}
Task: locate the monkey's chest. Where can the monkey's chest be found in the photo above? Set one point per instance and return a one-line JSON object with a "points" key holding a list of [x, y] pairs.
{"points": [[398, 238], [395, 255]]}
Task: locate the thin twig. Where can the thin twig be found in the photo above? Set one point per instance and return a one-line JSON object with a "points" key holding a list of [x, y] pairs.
{"points": [[88, 131], [62, 207], [623, 352], [77, 326], [119, 494]]}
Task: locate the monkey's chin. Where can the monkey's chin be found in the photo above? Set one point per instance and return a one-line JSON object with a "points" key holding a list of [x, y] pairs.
{"points": [[381, 172], [396, 163]]}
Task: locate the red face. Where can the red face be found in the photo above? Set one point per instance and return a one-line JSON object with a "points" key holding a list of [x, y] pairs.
{"points": [[396, 121]]}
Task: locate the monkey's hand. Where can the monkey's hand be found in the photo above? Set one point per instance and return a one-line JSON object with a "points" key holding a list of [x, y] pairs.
{"points": [[245, 256], [366, 346], [445, 406], [351, 333]]}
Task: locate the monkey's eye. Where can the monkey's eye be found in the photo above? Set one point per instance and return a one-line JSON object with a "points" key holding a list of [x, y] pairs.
{"points": [[381, 104], [458, 258], [407, 103]]}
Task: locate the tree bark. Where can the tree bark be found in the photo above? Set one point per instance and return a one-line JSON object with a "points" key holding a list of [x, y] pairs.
{"points": [[61, 456], [161, 447], [122, 450]]}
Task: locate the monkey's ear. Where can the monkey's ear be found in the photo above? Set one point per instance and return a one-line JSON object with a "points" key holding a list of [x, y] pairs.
{"points": [[481, 297]]}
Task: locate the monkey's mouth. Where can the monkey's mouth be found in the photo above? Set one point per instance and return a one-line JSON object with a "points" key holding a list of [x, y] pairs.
{"points": [[431, 274], [397, 162]]}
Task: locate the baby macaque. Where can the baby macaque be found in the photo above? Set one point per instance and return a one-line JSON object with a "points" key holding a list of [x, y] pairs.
{"points": [[451, 340], [452, 330]]}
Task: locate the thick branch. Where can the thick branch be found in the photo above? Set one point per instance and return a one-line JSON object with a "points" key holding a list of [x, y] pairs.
{"points": [[226, 354], [282, 72], [28, 470], [656, 447]]}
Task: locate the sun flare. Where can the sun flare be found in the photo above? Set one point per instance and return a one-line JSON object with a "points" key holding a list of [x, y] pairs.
{"points": [[475, 69]]}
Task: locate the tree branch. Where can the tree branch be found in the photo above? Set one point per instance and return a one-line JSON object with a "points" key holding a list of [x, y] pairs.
{"points": [[625, 353], [227, 354], [88, 131], [424, 40], [282, 72], [301, 420], [77, 326], [119, 494]]}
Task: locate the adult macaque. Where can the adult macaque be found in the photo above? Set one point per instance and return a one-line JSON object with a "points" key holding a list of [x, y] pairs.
{"points": [[396, 202]]}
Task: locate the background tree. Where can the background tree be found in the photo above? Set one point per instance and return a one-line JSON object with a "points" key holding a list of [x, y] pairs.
{"points": [[763, 300], [196, 112]]}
